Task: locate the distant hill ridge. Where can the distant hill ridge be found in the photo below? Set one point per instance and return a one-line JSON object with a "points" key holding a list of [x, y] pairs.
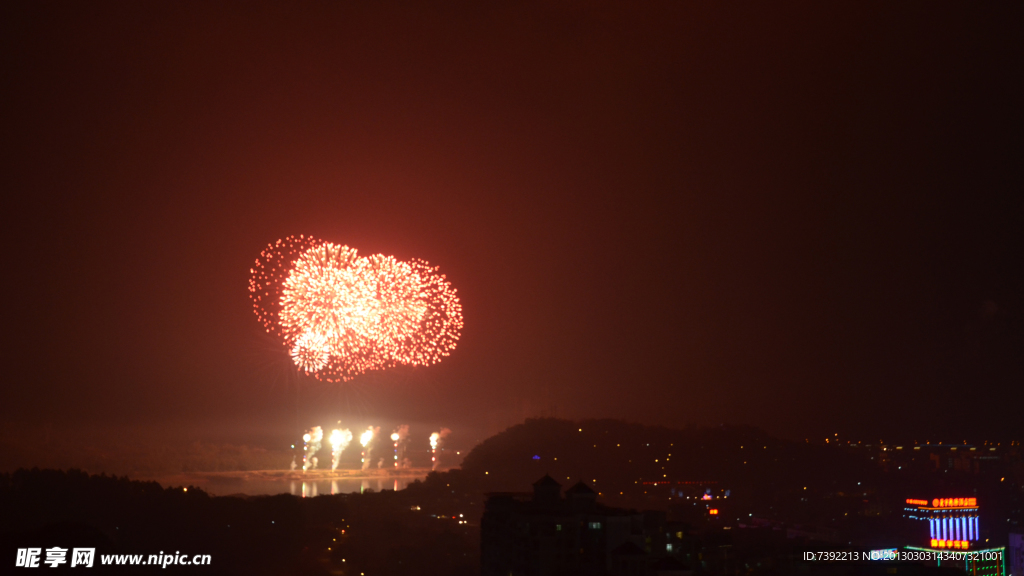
{"points": [[614, 456]]}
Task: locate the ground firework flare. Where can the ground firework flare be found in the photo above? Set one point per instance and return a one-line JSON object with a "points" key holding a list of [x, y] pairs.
{"points": [[340, 314]]}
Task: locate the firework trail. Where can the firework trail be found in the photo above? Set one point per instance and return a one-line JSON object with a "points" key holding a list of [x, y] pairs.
{"points": [[311, 445], [394, 438], [341, 315], [305, 450], [365, 439], [400, 437], [436, 442], [340, 440]]}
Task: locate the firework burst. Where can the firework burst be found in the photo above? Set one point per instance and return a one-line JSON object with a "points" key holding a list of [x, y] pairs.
{"points": [[310, 352], [340, 314], [267, 275]]}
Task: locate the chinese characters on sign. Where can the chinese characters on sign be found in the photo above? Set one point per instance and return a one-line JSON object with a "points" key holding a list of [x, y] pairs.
{"points": [[29, 557], [950, 544], [954, 502]]}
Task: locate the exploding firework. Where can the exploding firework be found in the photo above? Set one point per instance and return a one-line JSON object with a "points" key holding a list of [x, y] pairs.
{"points": [[339, 441], [400, 438], [341, 314], [310, 352], [436, 441], [311, 445], [365, 438], [267, 275]]}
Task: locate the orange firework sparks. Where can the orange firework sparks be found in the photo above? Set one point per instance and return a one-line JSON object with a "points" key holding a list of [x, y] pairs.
{"points": [[341, 314], [310, 352], [268, 274]]}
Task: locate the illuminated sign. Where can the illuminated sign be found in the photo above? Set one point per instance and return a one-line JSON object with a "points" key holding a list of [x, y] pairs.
{"points": [[884, 554], [917, 502], [954, 502], [713, 511], [950, 544]]}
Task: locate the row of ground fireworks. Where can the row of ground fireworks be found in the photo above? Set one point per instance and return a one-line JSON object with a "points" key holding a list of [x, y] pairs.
{"points": [[312, 442]]}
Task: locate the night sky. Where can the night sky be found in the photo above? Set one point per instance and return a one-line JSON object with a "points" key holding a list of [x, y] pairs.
{"points": [[800, 216]]}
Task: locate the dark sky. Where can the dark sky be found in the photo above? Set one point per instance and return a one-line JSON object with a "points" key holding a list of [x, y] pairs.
{"points": [[801, 216]]}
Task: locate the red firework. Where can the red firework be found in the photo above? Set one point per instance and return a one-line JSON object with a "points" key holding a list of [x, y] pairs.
{"points": [[268, 274], [341, 314]]}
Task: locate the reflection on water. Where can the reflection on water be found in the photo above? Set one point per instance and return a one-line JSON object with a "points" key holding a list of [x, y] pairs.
{"points": [[310, 488], [255, 484]]}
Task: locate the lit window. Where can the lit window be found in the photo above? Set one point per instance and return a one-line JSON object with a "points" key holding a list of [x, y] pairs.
{"points": [[595, 525], [668, 547], [558, 527]]}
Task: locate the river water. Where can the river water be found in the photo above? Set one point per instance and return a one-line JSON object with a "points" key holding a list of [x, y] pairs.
{"points": [[270, 482]]}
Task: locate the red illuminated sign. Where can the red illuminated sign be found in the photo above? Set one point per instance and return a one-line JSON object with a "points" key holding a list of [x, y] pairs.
{"points": [[713, 511], [950, 544], [917, 502], [953, 502]]}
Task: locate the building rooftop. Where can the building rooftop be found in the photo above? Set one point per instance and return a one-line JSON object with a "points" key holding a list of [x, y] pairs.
{"points": [[581, 489], [547, 481]]}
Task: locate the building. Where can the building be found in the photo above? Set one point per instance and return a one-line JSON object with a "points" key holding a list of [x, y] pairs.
{"points": [[544, 533], [988, 458], [953, 526], [1015, 551], [952, 522]]}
